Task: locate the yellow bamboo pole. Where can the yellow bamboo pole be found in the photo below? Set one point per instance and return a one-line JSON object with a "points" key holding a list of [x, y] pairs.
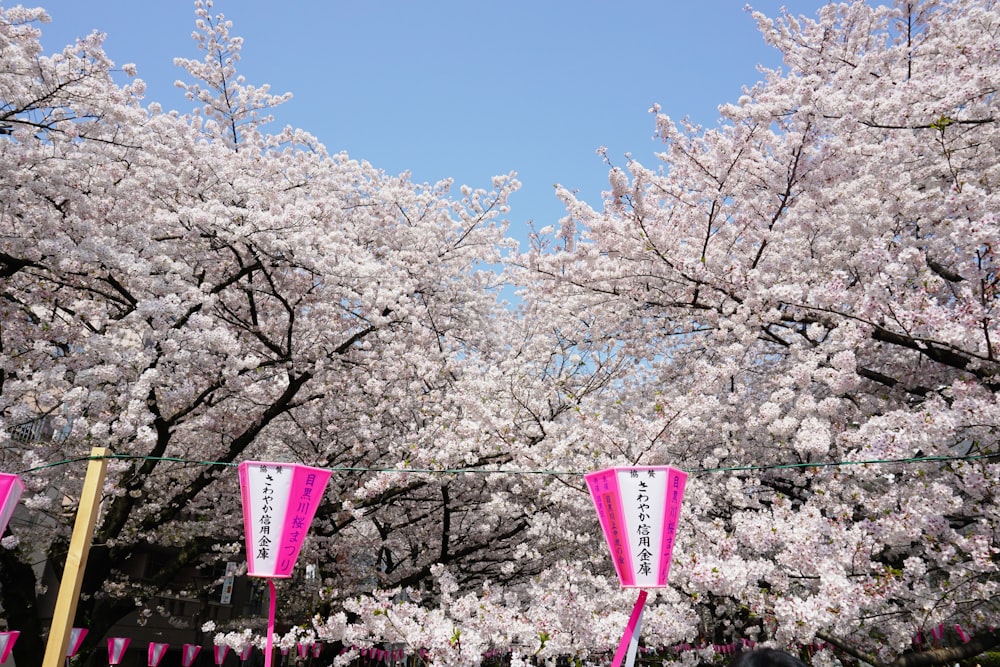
{"points": [[76, 559]]}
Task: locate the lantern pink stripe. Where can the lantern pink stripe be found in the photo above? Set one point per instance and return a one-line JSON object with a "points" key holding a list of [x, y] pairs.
{"points": [[607, 500], [676, 481], [7, 640], [308, 485]]}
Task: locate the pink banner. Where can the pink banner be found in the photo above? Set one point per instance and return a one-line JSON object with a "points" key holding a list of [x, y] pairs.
{"points": [[190, 652], [156, 653], [639, 509], [279, 503], [220, 653], [76, 636], [116, 649], [11, 487], [7, 640]]}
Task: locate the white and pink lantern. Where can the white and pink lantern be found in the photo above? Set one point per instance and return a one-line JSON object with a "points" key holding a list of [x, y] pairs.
{"points": [[316, 649], [302, 649], [7, 640], [116, 649], [639, 509], [156, 652], [188, 653], [11, 488], [279, 503], [76, 637], [220, 651], [245, 652]]}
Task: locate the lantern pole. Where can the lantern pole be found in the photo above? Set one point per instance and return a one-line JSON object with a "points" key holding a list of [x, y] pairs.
{"points": [[76, 559]]}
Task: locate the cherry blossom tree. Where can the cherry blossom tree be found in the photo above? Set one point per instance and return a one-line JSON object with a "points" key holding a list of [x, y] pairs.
{"points": [[806, 294], [796, 306], [192, 291]]}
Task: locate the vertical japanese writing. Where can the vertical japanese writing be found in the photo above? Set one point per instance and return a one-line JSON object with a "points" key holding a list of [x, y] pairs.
{"points": [[298, 525], [264, 519]]}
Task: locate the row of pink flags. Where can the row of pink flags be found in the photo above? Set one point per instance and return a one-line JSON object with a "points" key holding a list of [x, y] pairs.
{"points": [[117, 646]]}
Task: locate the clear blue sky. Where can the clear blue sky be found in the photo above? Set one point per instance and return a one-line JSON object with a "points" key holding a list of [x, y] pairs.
{"points": [[462, 88]]}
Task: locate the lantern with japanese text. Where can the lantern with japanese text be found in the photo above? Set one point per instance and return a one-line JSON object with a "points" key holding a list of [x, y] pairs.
{"points": [[279, 503], [11, 487], [638, 508]]}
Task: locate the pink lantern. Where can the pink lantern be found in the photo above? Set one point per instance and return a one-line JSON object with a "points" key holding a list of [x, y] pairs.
{"points": [[7, 640], [76, 636], [303, 649], [11, 487], [220, 651], [638, 509], [189, 653], [116, 649], [316, 649], [279, 503], [156, 652], [245, 653]]}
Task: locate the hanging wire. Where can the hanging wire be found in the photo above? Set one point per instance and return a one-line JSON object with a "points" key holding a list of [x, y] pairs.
{"points": [[501, 471]]}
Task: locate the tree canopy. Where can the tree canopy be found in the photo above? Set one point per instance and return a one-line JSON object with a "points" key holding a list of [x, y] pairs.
{"points": [[797, 306]]}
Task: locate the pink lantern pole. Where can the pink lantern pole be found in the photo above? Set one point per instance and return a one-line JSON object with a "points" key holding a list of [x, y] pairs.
{"points": [[279, 503], [7, 640], [638, 509], [11, 487], [116, 649], [156, 652], [189, 653]]}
